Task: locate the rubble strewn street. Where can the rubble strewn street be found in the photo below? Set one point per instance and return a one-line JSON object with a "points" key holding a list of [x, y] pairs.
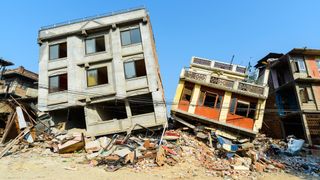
{"points": [[147, 150]]}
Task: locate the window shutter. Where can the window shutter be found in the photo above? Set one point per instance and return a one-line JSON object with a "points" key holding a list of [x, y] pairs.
{"points": [[309, 93]]}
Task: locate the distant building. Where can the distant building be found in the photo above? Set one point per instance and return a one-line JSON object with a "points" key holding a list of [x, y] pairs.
{"points": [[294, 83], [217, 93], [102, 70], [19, 82]]}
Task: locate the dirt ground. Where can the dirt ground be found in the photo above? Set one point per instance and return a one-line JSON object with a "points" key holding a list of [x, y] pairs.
{"points": [[46, 165]]}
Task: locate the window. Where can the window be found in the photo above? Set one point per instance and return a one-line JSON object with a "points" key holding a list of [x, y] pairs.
{"points": [[210, 100], [134, 69], [97, 76], [58, 51], [95, 45], [141, 104], [131, 36], [187, 92], [305, 94], [58, 83], [298, 65], [242, 108]]}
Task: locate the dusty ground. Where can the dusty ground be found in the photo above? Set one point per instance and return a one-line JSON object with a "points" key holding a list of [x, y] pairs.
{"points": [[35, 164]]}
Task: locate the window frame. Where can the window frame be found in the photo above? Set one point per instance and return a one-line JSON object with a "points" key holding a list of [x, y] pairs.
{"points": [[96, 68], [95, 44], [58, 44], [58, 75], [135, 68], [184, 87], [236, 107], [299, 62], [130, 29], [215, 101]]}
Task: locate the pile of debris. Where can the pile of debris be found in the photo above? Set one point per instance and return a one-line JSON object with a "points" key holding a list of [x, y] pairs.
{"points": [[221, 153]]}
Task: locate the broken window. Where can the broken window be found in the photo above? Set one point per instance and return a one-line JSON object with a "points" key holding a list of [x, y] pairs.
{"points": [[134, 69], [141, 104], [97, 76], [95, 45], [131, 36], [58, 83], [187, 92], [58, 51]]}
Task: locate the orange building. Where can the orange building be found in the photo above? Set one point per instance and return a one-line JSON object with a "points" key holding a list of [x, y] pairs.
{"points": [[219, 94], [294, 94]]}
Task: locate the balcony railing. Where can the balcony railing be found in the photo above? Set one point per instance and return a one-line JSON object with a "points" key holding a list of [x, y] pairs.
{"points": [[250, 88], [223, 66], [219, 65], [195, 76], [226, 84], [222, 82], [202, 61]]}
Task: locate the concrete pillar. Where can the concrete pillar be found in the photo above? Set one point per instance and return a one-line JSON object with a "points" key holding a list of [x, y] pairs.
{"points": [[177, 96], [194, 98], [225, 107], [117, 64], [43, 77], [152, 73], [259, 115]]}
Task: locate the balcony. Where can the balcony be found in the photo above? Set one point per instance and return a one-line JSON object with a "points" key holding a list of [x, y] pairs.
{"points": [[236, 86], [208, 64]]}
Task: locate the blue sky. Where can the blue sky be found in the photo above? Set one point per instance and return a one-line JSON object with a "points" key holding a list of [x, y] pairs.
{"points": [[248, 29]]}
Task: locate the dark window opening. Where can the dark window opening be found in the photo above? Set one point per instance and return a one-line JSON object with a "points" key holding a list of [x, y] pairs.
{"points": [[242, 109], [187, 92], [210, 100], [135, 69], [58, 83], [252, 110], [131, 36], [58, 51], [97, 76], [141, 104], [95, 45], [111, 110]]}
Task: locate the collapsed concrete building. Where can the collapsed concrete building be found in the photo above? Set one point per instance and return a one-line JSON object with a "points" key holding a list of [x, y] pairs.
{"points": [[102, 73], [294, 83], [217, 94], [18, 83]]}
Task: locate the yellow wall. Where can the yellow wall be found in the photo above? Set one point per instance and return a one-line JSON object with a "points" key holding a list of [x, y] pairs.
{"points": [[259, 115], [194, 98], [225, 107], [178, 94]]}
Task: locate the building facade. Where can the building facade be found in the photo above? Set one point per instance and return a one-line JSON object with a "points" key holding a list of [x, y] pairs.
{"points": [[103, 70], [217, 93], [294, 95]]}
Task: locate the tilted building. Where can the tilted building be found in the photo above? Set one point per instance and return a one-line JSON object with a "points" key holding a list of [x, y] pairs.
{"points": [[103, 70], [216, 93], [294, 95]]}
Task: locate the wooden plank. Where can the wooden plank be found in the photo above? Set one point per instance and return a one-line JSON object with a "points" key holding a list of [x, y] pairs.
{"points": [[8, 127]]}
